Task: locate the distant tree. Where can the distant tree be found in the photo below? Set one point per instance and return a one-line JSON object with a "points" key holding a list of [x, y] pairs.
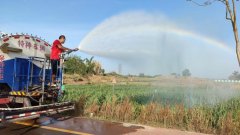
{"points": [[159, 75], [231, 14], [76, 65], [113, 73], [141, 75], [235, 76], [103, 72], [186, 73], [90, 65], [97, 68]]}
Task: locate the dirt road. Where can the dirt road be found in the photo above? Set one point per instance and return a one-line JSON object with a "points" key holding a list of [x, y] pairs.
{"points": [[83, 126]]}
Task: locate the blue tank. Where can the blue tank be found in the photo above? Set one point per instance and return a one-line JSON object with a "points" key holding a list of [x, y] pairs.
{"points": [[23, 60]]}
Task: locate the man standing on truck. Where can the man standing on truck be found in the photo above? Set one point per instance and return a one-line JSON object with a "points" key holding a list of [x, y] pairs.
{"points": [[57, 49]]}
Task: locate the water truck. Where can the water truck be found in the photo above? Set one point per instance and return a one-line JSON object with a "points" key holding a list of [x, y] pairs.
{"points": [[26, 90]]}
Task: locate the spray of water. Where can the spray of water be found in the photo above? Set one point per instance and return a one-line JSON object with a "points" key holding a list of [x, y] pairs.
{"points": [[152, 44]]}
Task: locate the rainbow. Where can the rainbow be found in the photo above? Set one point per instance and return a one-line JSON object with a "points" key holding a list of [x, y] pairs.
{"points": [[205, 39], [140, 26]]}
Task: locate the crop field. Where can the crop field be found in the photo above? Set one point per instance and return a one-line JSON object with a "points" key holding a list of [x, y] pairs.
{"points": [[145, 94], [204, 108]]}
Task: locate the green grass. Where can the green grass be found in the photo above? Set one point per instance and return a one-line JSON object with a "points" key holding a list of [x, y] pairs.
{"points": [[197, 108], [145, 94]]}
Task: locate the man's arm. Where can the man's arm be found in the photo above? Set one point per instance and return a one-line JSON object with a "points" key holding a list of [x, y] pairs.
{"points": [[63, 48]]}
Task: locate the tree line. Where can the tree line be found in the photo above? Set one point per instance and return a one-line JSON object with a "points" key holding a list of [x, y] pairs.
{"points": [[88, 66]]}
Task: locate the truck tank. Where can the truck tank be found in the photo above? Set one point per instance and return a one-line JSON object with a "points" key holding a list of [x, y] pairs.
{"points": [[21, 63]]}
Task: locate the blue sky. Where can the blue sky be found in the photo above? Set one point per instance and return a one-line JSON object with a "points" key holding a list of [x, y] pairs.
{"points": [[76, 18]]}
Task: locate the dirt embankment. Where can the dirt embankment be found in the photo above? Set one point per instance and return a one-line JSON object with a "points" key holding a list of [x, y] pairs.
{"points": [[159, 81]]}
